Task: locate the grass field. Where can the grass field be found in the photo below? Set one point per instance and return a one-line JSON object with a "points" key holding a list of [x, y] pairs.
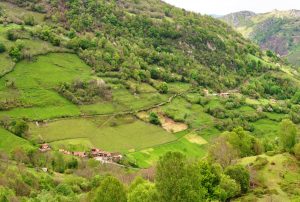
{"points": [[117, 134], [147, 157], [35, 83], [32, 46], [266, 128], [9, 141]]}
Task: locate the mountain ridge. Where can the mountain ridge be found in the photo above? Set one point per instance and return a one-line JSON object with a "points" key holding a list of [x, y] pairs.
{"points": [[275, 30]]}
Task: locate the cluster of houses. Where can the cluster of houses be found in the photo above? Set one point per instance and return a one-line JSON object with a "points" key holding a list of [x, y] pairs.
{"points": [[104, 156], [97, 154]]}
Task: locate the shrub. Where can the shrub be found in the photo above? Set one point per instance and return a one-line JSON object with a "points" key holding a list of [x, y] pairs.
{"points": [[20, 128], [153, 118], [15, 53], [2, 48], [64, 189], [11, 36], [163, 88], [230, 186], [29, 20]]}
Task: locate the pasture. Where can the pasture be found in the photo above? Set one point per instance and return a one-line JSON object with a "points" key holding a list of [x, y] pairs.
{"points": [[186, 144], [113, 134], [35, 84]]}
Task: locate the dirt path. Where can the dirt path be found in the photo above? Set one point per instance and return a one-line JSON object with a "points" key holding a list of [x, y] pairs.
{"points": [[122, 113]]}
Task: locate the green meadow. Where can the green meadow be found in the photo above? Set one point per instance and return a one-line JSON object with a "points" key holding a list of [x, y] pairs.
{"points": [[147, 157], [114, 134], [36, 82]]}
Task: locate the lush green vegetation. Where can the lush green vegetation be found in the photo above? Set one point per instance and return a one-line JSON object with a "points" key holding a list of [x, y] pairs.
{"points": [[195, 109]]}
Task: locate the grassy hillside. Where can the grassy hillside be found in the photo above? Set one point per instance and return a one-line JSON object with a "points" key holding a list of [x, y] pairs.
{"points": [[9, 142], [277, 31], [275, 178]]}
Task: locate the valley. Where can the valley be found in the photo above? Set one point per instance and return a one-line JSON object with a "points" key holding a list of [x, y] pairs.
{"points": [[196, 111]]}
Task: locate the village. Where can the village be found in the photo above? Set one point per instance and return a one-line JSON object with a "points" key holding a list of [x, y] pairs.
{"points": [[95, 153]]}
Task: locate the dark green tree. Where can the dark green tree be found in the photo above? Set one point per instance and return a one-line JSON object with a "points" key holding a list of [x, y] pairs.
{"points": [[176, 180], [287, 133], [240, 175], [154, 119], [144, 192], [163, 88], [2, 48], [110, 190]]}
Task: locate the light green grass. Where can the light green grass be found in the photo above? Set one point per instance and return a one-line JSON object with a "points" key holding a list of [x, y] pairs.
{"points": [[6, 63], [42, 113], [36, 82], [130, 101], [276, 116], [9, 141], [214, 103], [266, 128], [148, 157], [128, 134], [177, 87]]}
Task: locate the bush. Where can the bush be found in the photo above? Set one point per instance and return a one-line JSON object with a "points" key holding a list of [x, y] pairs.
{"points": [[29, 20], [11, 36], [153, 118], [2, 48], [20, 128], [15, 53], [163, 88], [230, 186], [64, 189]]}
